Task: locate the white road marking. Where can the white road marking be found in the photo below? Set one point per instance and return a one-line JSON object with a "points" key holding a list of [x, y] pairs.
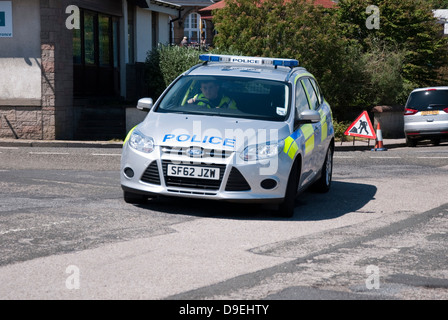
{"points": [[49, 153], [432, 157], [106, 154], [385, 157]]}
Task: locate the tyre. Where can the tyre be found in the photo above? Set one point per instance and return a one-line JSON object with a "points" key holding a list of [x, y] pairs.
{"points": [[436, 141], [286, 208], [324, 183], [134, 198], [411, 142]]}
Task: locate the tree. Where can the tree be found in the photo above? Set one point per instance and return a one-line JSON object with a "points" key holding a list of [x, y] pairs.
{"points": [[292, 29], [357, 65], [439, 4], [407, 25]]}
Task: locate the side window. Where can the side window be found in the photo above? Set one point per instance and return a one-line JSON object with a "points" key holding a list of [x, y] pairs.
{"points": [[301, 99], [312, 94], [317, 89]]}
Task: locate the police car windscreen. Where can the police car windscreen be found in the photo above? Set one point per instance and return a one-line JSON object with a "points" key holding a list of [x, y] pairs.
{"points": [[435, 99], [238, 97]]}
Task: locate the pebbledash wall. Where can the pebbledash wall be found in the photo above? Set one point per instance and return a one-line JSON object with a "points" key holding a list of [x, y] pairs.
{"points": [[36, 63]]}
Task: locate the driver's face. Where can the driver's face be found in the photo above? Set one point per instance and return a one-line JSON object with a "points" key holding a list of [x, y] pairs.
{"points": [[210, 90]]}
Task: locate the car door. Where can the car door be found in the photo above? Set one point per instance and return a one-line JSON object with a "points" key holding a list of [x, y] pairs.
{"points": [[315, 102], [325, 121], [304, 132]]}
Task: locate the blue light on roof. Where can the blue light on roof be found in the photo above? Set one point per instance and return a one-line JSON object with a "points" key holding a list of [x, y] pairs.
{"points": [[249, 60], [290, 63]]}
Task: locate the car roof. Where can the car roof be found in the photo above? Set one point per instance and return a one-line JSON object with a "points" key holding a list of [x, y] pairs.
{"points": [[431, 88], [238, 70], [247, 67]]}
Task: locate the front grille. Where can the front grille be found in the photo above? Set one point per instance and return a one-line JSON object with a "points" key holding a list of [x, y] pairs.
{"points": [[151, 174], [194, 183], [206, 153], [236, 181]]}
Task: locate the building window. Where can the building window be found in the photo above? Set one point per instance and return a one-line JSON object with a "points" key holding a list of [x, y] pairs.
{"points": [[104, 40], [194, 28], [95, 54], [154, 28], [131, 31], [89, 37]]}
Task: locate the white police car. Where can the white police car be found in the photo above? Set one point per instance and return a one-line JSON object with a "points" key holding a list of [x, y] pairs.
{"points": [[233, 128]]}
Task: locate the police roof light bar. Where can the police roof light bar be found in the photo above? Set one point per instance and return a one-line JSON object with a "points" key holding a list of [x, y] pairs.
{"points": [[249, 60]]}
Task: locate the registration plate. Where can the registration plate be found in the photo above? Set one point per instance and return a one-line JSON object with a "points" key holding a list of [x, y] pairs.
{"points": [[193, 172], [430, 112]]}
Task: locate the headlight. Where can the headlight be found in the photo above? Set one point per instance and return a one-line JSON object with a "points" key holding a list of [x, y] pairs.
{"points": [[140, 142], [261, 151]]}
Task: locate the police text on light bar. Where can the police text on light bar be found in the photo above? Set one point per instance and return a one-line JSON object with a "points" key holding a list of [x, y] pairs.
{"points": [[249, 60]]}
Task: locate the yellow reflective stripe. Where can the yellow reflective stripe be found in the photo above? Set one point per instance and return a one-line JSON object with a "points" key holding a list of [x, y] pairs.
{"points": [[309, 144], [324, 125], [129, 134], [324, 131], [288, 142], [307, 130], [323, 117], [293, 150], [308, 133]]}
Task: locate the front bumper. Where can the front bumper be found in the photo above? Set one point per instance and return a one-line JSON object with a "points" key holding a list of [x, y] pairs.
{"points": [[239, 181]]}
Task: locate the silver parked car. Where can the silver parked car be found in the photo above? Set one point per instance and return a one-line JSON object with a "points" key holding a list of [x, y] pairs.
{"points": [[426, 115]]}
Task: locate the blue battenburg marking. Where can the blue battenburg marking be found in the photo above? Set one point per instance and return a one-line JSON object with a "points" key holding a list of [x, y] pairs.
{"points": [[296, 134]]}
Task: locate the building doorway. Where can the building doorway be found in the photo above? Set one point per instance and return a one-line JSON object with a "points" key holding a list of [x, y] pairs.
{"points": [[96, 55]]}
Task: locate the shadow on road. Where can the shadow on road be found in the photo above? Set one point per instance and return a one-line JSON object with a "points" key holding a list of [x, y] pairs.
{"points": [[343, 198]]}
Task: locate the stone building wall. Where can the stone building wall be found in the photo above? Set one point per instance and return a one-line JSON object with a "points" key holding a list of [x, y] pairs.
{"points": [[57, 71], [21, 122]]}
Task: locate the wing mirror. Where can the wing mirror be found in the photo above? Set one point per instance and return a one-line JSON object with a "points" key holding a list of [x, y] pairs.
{"points": [[309, 116], [145, 104]]}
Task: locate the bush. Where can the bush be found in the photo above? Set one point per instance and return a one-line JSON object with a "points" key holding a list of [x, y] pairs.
{"points": [[339, 129], [165, 63]]}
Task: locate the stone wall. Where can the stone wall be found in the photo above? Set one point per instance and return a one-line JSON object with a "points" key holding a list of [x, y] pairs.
{"points": [[21, 122], [57, 71], [391, 121]]}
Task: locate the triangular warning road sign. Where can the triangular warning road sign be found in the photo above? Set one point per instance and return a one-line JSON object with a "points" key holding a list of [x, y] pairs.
{"points": [[361, 127]]}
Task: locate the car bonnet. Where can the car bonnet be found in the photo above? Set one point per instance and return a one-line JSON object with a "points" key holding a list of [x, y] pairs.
{"points": [[231, 134]]}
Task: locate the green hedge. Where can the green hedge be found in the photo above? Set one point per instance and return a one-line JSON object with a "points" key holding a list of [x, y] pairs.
{"points": [[165, 63]]}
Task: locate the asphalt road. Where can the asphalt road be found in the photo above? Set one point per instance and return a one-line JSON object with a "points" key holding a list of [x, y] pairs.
{"points": [[65, 233]]}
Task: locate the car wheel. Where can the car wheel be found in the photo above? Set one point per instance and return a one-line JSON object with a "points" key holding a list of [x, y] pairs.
{"points": [[435, 141], [286, 208], [134, 198], [411, 142], [324, 183]]}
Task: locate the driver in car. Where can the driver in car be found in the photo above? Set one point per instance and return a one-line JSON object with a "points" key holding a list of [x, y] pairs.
{"points": [[211, 97]]}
